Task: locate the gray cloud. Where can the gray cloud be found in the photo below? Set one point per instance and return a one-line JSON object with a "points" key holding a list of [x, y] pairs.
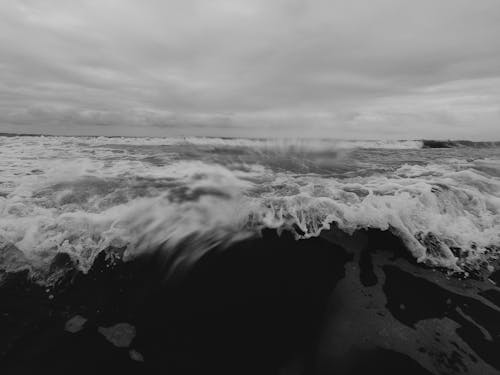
{"points": [[338, 68]]}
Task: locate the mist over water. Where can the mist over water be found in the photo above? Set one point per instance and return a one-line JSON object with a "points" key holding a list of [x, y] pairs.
{"points": [[82, 195]]}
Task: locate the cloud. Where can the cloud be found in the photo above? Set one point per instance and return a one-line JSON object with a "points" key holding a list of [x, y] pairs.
{"points": [[384, 68]]}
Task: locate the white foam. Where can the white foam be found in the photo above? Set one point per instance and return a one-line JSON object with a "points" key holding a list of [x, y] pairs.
{"points": [[60, 195]]}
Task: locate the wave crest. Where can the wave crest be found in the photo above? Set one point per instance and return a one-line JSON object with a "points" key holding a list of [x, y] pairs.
{"points": [[445, 217]]}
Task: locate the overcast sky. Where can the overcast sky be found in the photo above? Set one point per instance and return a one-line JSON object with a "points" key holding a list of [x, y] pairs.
{"points": [[317, 68]]}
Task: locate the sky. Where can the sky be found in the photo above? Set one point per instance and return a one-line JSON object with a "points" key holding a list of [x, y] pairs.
{"points": [[348, 69]]}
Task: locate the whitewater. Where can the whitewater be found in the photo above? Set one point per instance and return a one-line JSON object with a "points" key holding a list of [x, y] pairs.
{"points": [[185, 196]]}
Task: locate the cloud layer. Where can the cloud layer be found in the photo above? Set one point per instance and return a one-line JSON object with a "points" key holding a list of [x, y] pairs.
{"points": [[334, 68]]}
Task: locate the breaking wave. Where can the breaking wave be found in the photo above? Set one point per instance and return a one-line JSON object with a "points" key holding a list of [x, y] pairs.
{"points": [[451, 144], [92, 199], [285, 143], [278, 143]]}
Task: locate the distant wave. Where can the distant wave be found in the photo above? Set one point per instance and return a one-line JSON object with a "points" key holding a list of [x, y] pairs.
{"points": [[428, 143], [278, 143]]}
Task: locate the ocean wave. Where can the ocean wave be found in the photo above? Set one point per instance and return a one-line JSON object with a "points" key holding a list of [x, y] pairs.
{"points": [[429, 143], [310, 145], [446, 215]]}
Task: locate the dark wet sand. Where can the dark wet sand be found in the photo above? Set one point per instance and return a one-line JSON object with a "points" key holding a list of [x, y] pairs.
{"points": [[330, 305]]}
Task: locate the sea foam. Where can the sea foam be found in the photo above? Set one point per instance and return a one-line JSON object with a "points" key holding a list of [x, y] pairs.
{"points": [[80, 199]]}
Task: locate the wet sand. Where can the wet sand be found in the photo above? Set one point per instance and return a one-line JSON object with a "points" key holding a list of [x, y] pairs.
{"points": [[334, 304]]}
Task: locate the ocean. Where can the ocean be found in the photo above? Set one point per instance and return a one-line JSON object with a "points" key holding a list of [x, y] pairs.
{"points": [[383, 245]]}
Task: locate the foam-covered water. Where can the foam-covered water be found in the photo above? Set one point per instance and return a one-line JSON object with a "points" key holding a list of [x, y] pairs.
{"points": [[187, 195]]}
